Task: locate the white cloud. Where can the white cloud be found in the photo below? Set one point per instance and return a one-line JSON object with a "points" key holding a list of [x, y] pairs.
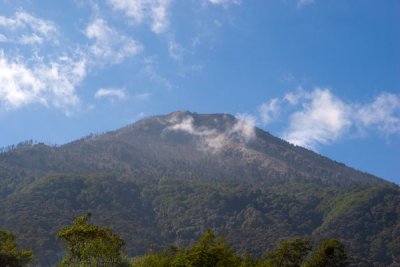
{"points": [[30, 39], [301, 3], [110, 92], [3, 38], [246, 117], [153, 11], [109, 45], [51, 80], [211, 139], [175, 50], [149, 70], [243, 128], [320, 118], [141, 115], [294, 97], [27, 29], [383, 113], [142, 97], [224, 2], [323, 119], [269, 111], [34, 81]]}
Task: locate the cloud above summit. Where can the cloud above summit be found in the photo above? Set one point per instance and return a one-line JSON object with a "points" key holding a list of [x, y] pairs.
{"points": [[211, 139]]}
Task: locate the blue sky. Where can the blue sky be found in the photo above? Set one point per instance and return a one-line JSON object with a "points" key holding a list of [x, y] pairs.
{"points": [[320, 74]]}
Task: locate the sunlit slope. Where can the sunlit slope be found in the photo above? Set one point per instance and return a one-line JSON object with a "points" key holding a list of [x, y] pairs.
{"points": [[208, 147]]}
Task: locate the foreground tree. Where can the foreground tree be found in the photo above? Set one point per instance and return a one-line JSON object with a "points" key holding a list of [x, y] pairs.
{"points": [[212, 251], [289, 254], [208, 252], [10, 255], [89, 245], [329, 254]]}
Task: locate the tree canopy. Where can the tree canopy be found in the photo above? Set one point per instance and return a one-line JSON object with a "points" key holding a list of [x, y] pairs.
{"points": [[330, 253], [90, 244], [10, 255], [213, 251], [290, 253]]}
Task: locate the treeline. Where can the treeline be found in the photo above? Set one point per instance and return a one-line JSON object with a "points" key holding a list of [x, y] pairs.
{"points": [[27, 143], [31, 142], [90, 245], [17, 146], [215, 251]]}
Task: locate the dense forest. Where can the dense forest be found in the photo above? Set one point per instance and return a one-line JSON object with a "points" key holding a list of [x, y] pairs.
{"points": [[167, 179], [90, 245]]}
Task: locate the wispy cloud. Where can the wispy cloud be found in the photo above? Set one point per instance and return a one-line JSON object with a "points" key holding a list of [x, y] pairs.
{"points": [[141, 115], [320, 118], [142, 97], [301, 3], [109, 45], [31, 39], [243, 129], [35, 81], [25, 28], [293, 98], [224, 2], [211, 139], [175, 50], [154, 12], [49, 80], [110, 93], [269, 111], [3, 38], [383, 113], [149, 70]]}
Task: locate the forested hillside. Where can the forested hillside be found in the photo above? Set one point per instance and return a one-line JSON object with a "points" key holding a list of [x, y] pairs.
{"points": [[165, 179]]}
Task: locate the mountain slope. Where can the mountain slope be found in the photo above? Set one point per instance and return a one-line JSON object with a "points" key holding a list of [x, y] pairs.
{"points": [[183, 144], [165, 179]]}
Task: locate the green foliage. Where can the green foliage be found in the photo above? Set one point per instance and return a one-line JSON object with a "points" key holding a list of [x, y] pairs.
{"points": [[172, 256], [151, 214], [213, 251], [330, 253], [210, 251], [291, 253], [249, 261], [10, 255], [88, 244]]}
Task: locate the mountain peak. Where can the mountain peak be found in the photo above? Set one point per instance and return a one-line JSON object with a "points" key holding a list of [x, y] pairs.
{"points": [[233, 144], [185, 144], [179, 113]]}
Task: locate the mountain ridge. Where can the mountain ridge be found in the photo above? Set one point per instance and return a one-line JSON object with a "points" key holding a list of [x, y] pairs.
{"points": [[166, 178], [208, 134]]}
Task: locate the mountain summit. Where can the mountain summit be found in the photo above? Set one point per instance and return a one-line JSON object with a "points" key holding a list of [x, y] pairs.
{"points": [[184, 144], [165, 179], [213, 146]]}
